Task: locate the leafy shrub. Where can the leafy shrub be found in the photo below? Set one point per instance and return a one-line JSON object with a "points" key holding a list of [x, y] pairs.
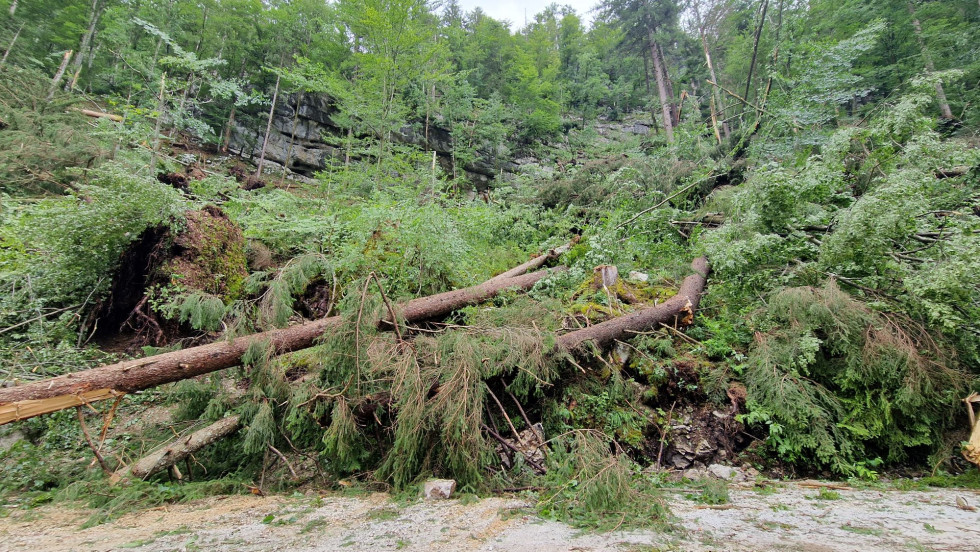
{"points": [[66, 249]]}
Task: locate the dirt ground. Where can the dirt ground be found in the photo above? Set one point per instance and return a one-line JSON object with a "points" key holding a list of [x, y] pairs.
{"points": [[791, 518]]}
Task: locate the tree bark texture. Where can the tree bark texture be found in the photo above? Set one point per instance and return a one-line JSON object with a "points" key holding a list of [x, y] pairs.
{"points": [[85, 45], [81, 388], [755, 49], [660, 75], [940, 92], [11, 46], [679, 310], [179, 449], [533, 264], [59, 75], [268, 127]]}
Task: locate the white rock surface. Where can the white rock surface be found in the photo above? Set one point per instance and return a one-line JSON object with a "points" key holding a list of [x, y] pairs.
{"points": [[439, 488]]}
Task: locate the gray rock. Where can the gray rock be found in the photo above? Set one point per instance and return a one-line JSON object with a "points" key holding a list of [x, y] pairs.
{"points": [[436, 489], [695, 474], [637, 276], [727, 473]]}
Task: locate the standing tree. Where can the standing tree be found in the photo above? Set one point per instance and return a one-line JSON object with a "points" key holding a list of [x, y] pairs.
{"points": [[651, 23]]}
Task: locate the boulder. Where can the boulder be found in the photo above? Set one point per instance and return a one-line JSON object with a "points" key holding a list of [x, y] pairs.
{"points": [[439, 489]]}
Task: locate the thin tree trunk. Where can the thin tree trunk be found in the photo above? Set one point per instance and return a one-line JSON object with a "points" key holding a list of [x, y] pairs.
{"points": [[81, 388], [716, 105], [12, 42], [85, 45], [755, 49], [660, 76], [268, 128], [940, 92], [156, 128], [292, 138], [13, 8], [59, 75], [231, 121]]}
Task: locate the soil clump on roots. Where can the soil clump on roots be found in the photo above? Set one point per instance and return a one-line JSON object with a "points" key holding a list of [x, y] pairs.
{"points": [[160, 270]]}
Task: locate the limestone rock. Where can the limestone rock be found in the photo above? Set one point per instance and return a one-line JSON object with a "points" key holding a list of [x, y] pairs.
{"points": [[436, 489]]}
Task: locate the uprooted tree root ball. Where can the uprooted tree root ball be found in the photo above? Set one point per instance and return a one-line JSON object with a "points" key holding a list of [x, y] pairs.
{"points": [[173, 283]]}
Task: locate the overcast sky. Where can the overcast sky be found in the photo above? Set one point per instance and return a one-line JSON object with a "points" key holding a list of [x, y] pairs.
{"points": [[514, 10]]}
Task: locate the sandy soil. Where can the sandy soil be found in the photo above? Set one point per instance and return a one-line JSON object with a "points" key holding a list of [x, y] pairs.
{"points": [[791, 518]]}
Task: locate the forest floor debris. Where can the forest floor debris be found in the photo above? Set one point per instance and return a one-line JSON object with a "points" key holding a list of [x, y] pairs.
{"points": [[783, 516]]}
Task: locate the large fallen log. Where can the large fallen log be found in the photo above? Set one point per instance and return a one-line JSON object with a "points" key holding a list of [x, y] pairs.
{"points": [[81, 388], [179, 449], [679, 310]]}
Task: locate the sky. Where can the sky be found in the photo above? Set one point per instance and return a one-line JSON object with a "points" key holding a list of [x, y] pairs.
{"points": [[514, 10]]}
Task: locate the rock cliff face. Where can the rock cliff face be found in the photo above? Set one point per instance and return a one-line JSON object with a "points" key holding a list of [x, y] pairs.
{"points": [[319, 141]]}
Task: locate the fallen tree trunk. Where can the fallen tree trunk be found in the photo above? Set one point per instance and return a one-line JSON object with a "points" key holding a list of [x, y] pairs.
{"points": [[101, 115], [81, 388], [179, 449], [679, 309], [534, 263]]}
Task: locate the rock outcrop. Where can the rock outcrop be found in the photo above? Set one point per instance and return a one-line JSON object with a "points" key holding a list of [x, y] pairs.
{"points": [[318, 140]]}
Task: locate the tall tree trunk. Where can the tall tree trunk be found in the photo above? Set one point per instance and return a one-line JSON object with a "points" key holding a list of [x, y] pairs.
{"points": [[227, 134], [660, 76], [755, 50], [268, 128], [13, 8], [716, 105], [156, 128], [940, 92], [292, 138], [56, 81], [12, 42], [85, 45]]}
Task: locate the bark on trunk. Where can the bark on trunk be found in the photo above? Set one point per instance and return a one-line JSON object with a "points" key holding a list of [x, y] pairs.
{"points": [[11, 46], [85, 45], [292, 139], [59, 75], [940, 92], [438, 306], [100, 115], [679, 310], [755, 49], [661, 77], [268, 128], [81, 388], [227, 134], [179, 449], [716, 105], [158, 124], [533, 264]]}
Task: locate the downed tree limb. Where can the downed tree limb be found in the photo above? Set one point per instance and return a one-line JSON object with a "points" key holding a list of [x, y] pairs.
{"points": [[101, 115], [678, 309], [952, 172], [439, 305], [534, 263], [178, 449], [81, 388]]}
